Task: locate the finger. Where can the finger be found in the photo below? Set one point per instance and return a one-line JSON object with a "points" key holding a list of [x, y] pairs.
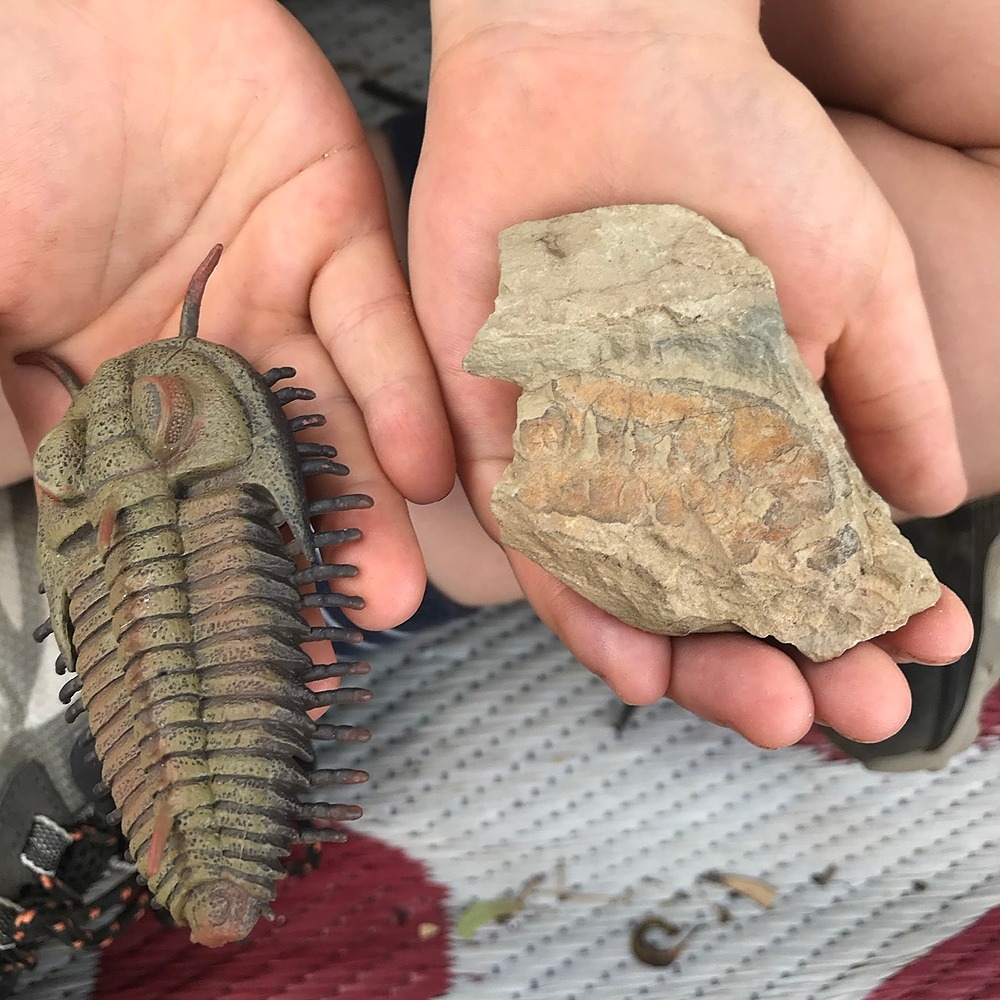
{"points": [[890, 395], [862, 694], [362, 313], [268, 301], [327, 232], [744, 684], [634, 664], [937, 636]]}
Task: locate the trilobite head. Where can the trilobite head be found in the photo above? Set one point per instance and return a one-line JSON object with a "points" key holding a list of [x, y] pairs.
{"points": [[220, 911], [166, 406], [163, 417]]}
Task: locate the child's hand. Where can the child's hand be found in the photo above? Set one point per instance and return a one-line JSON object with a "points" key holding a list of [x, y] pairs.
{"points": [[535, 112], [133, 137]]}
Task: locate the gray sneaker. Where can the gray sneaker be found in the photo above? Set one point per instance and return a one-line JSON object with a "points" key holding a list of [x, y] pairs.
{"points": [[964, 550], [63, 884]]}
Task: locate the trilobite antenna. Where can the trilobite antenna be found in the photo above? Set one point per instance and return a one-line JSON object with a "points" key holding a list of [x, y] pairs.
{"points": [[192, 299], [60, 369]]}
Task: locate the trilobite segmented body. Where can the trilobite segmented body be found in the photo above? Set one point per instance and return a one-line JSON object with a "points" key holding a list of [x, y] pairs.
{"points": [[175, 599]]}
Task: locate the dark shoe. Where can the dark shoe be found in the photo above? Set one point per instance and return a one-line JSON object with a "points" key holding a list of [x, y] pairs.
{"points": [[964, 550]]}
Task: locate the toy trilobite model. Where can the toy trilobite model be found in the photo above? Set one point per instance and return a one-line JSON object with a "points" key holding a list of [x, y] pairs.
{"points": [[176, 601]]}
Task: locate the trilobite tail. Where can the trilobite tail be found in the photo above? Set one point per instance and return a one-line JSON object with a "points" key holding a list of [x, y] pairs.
{"points": [[222, 911]]}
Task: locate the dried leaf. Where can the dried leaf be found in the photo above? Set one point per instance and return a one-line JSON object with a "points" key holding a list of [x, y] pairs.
{"points": [[758, 890], [823, 877], [531, 885], [644, 945]]}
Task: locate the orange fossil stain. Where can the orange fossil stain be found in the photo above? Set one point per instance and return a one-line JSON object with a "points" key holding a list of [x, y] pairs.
{"points": [[671, 454]]}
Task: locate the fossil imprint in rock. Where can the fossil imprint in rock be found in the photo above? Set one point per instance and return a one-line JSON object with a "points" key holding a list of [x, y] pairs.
{"points": [[674, 460]]}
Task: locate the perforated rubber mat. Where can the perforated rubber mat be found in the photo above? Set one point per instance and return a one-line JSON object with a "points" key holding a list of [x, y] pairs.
{"points": [[496, 761], [495, 764]]}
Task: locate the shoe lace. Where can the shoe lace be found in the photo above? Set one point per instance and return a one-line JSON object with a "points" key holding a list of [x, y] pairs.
{"points": [[84, 894]]}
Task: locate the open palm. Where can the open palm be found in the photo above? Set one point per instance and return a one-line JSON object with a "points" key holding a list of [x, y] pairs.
{"points": [[135, 136], [529, 118]]}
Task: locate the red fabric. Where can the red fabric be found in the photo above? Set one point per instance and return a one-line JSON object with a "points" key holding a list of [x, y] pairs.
{"points": [[350, 930], [989, 720], [964, 967]]}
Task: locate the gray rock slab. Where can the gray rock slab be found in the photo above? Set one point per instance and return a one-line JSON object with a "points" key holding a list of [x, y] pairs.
{"points": [[674, 460]]}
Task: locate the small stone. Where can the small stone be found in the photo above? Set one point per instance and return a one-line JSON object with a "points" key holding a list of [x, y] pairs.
{"points": [[674, 460]]}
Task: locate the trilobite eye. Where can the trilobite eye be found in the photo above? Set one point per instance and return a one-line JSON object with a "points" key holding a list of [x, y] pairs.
{"points": [[163, 411], [59, 461]]}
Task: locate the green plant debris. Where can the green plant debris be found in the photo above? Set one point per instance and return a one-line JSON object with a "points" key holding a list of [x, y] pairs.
{"points": [[487, 911], [497, 910]]}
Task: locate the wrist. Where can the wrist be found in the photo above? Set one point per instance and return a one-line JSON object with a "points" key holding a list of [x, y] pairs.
{"points": [[455, 20]]}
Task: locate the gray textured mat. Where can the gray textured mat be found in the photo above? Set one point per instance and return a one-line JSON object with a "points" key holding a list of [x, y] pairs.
{"points": [[494, 760]]}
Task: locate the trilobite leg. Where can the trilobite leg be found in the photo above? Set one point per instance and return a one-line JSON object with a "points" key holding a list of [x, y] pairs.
{"points": [[75, 710], [347, 501], [339, 696], [323, 466], [343, 734], [327, 812], [43, 631], [162, 915], [289, 393], [333, 633], [343, 668], [324, 778], [306, 420], [323, 572], [273, 375], [320, 835], [300, 867], [312, 449], [71, 688], [327, 598], [324, 539]]}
